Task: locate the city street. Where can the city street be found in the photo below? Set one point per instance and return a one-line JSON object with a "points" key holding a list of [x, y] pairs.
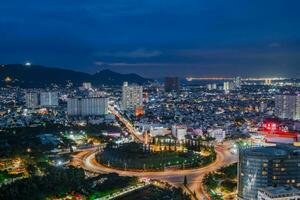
{"points": [[124, 192], [127, 124]]}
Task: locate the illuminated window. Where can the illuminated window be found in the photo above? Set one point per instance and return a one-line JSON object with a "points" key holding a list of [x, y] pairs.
{"points": [[265, 164]]}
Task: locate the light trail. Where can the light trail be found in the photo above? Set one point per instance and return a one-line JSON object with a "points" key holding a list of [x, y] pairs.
{"points": [[174, 177], [127, 124]]}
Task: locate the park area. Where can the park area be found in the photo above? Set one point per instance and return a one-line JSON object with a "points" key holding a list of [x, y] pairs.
{"points": [[222, 184], [133, 156]]}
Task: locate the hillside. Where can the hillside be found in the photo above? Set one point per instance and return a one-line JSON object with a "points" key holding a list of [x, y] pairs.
{"points": [[40, 76]]}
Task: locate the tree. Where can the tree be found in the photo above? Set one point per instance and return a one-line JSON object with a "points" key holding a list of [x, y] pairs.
{"points": [[185, 182], [31, 169]]}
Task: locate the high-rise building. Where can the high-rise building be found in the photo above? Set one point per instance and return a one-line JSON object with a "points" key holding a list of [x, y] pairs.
{"points": [[237, 82], [260, 167], [32, 99], [287, 107], [74, 106], [172, 84], [268, 82], [86, 85], [227, 86], [263, 107], [212, 86], [89, 106], [49, 99], [132, 96], [94, 106]]}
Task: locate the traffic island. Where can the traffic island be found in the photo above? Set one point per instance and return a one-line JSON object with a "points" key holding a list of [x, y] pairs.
{"points": [[138, 157]]}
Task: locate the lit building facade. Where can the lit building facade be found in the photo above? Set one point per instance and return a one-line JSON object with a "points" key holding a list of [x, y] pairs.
{"points": [[287, 107], [90, 106], [86, 85], [49, 99], [132, 96], [218, 133], [237, 82], [268, 82], [227, 86], [212, 86], [32, 99], [260, 167], [276, 131], [179, 132]]}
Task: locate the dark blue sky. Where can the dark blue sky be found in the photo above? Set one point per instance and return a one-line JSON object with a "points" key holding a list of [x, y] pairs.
{"points": [[155, 38]]}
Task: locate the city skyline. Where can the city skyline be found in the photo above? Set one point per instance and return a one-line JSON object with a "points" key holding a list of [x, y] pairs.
{"points": [[178, 38], [150, 100]]}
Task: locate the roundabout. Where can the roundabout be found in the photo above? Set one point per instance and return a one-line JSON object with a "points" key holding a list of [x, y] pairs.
{"points": [[139, 157], [87, 160]]}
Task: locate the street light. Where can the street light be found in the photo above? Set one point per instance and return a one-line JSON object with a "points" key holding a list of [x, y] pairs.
{"points": [[59, 163]]}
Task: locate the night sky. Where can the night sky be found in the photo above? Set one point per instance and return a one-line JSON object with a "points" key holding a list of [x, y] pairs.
{"points": [[155, 38]]}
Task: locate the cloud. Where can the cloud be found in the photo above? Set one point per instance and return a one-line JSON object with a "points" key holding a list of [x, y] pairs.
{"points": [[138, 53], [125, 64], [99, 63], [274, 44]]}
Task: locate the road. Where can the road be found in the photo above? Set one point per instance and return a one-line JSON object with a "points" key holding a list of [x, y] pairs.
{"points": [[124, 192], [127, 124], [87, 161]]}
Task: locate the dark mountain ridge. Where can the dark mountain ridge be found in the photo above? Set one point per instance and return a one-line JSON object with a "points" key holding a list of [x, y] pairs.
{"points": [[40, 76]]}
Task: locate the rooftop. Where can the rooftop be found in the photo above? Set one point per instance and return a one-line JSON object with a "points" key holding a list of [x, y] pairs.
{"points": [[285, 190], [278, 150]]}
